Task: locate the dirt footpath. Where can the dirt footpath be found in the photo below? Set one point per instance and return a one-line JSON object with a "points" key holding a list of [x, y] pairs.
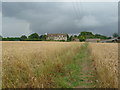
{"points": [[87, 72]]}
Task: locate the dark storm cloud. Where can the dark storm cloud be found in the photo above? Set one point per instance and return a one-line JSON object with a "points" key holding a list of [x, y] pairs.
{"points": [[0, 18], [59, 17]]}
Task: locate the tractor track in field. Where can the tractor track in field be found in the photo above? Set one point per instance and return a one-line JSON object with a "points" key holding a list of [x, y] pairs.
{"points": [[87, 72]]}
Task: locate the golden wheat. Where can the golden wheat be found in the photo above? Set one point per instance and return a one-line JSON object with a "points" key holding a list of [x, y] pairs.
{"points": [[105, 56], [33, 64], [29, 64], [0, 64]]}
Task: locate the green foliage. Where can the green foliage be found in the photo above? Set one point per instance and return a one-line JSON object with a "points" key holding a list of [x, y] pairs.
{"points": [[43, 37], [33, 36], [1, 38], [71, 37], [71, 77], [82, 38], [100, 36], [86, 33], [89, 35], [75, 36], [11, 39], [23, 37], [115, 35], [109, 37], [68, 38]]}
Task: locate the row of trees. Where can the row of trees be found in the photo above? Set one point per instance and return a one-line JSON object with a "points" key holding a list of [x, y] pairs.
{"points": [[82, 37], [32, 37], [88, 35]]}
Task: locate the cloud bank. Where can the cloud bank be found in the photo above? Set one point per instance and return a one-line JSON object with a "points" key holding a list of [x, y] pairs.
{"points": [[59, 17]]}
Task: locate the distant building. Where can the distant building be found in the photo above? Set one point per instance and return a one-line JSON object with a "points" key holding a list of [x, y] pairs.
{"points": [[111, 40], [92, 40], [57, 37], [118, 40], [106, 41], [75, 40]]}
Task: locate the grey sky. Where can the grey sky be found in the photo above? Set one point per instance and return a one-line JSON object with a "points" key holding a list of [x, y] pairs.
{"points": [[50, 17]]}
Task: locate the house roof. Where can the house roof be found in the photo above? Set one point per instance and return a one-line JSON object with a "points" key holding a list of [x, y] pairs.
{"points": [[109, 40], [57, 35], [92, 39]]}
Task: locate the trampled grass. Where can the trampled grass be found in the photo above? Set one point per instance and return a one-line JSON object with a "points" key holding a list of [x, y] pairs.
{"points": [[75, 74]]}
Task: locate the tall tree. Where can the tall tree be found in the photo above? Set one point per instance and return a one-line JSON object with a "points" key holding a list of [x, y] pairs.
{"points": [[75, 36], [115, 35], [43, 37], [70, 38], [23, 37], [85, 33], [82, 38], [34, 36]]}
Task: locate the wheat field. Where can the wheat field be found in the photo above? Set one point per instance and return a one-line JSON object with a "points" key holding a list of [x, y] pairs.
{"points": [[29, 64], [1, 65], [35, 64], [105, 56]]}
